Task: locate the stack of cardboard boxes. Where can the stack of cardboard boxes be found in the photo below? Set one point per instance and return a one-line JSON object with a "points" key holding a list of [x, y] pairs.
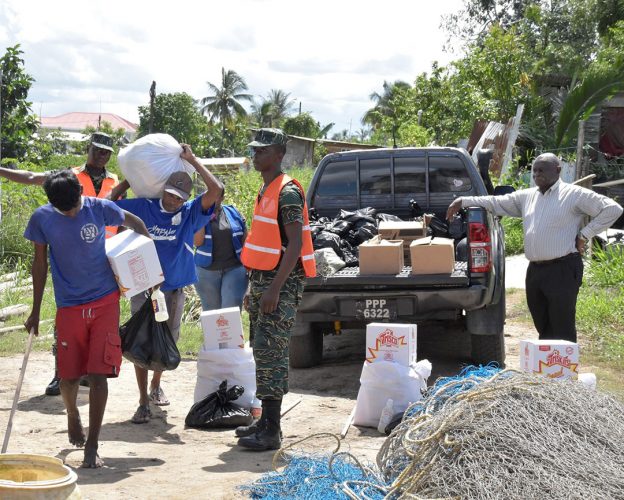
{"points": [[406, 243]]}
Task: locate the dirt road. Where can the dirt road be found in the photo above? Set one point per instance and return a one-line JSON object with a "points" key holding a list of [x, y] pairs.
{"points": [[162, 459]]}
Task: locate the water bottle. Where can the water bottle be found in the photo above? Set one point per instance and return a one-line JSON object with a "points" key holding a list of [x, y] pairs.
{"points": [[386, 416], [160, 306]]}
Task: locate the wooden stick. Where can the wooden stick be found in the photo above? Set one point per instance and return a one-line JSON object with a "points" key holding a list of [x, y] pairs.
{"points": [[291, 407], [347, 424], [7, 434]]}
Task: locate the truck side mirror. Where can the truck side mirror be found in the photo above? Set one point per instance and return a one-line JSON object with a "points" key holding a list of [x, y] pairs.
{"points": [[501, 190]]}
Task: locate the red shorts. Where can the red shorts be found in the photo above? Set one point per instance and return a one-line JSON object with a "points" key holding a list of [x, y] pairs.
{"points": [[88, 339]]}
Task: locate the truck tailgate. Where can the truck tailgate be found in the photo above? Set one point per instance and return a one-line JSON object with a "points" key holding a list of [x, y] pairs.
{"points": [[350, 277]]}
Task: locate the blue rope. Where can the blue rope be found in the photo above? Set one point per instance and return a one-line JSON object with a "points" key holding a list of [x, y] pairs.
{"points": [[310, 478]]}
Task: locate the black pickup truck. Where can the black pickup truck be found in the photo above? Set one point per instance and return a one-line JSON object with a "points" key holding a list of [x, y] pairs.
{"points": [[392, 181]]}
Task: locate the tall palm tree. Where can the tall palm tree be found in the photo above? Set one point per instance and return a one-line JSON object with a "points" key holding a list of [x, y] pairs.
{"points": [[223, 105], [262, 113], [385, 106], [281, 103]]}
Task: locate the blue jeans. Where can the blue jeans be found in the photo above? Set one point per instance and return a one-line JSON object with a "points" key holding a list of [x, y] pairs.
{"points": [[222, 288]]}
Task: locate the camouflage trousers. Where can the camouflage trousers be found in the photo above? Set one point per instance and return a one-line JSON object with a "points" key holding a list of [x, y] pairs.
{"points": [[270, 333]]}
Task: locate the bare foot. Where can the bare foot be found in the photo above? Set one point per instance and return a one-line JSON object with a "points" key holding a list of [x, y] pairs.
{"points": [[91, 459], [75, 430]]}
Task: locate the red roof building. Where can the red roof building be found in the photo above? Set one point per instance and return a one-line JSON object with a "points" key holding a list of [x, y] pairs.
{"points": [[76, 122]]}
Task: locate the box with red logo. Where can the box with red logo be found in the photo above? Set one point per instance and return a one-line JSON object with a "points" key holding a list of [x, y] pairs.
{"points": [[391, 342], [551, 358], [223, 329]]}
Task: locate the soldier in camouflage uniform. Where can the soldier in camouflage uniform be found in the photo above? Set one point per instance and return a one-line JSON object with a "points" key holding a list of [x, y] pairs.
{"points": [[273, 297]]}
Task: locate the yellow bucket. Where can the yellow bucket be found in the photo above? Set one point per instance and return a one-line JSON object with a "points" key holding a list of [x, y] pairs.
{"points": [[36, 477]]}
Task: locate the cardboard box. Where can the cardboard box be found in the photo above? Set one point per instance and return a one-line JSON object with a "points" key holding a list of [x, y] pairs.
{"points": [[432, 256], [550, 358], [223, 329], [134, 261], [394, 342], [379, 256], [407, 231]]}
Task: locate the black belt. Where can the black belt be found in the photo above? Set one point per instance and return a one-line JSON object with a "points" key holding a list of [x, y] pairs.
{"points": [[572, 255]]}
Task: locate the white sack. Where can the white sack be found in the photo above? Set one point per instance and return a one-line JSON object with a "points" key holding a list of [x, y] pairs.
{"points": [[383, 380], [237, 366], [149, 161], [327, 262]]}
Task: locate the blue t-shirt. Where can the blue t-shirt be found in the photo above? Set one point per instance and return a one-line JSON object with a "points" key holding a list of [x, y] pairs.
{"points": [[80, 270], [173, 236]]}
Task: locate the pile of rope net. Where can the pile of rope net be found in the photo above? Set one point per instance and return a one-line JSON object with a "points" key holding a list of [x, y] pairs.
{"points": [[484, 434]]}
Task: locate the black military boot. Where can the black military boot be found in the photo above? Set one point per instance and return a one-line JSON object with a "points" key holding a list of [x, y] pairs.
{"points": [[248, 430], [269, 436]]}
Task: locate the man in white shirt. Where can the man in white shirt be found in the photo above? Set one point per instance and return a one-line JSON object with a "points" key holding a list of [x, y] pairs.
{"points": [[553, 215]]}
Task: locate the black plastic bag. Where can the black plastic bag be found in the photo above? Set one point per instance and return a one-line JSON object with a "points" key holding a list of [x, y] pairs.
{"points": [[339, 227], [388, 218], [148, 343], [217, 410], [365, 233], [349, 254], [325, 239], [366, 214]]}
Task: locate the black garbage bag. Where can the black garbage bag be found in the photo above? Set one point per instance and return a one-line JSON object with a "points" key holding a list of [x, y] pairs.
{"points": [[388, 218], [218, 410], [366, 214], [349, 254], [365, 232], [325, 239], [148, 343], [339, 227], [438, 227]]}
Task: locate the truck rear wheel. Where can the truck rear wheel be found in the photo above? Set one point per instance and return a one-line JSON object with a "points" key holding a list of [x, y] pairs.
{"points": [[486, 327], [306, 345]]}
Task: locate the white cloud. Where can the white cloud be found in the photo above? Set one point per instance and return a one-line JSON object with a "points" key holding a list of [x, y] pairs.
{"points": [[87, 56]]}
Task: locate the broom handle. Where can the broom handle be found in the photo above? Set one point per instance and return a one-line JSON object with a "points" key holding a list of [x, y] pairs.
{"points": [[7, 434]]}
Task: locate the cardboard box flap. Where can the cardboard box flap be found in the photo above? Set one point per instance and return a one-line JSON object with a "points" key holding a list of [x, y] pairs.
{"points": [[396, 229], [431, 241], [379, 241]]}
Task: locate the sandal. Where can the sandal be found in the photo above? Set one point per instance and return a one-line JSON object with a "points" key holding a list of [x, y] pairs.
{"points": [[157, 396], [142, 415]]}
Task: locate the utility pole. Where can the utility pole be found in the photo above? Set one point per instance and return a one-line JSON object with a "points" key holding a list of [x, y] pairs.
{"points": [[152, 94], [579, 149], [299, 107]]}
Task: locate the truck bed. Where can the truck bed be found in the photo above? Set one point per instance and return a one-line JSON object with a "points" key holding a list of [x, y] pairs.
{"points": [[350, 277]]}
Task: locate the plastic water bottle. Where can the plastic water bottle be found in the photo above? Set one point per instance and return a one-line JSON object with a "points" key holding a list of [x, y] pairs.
{"points": [[160, 306], [386, 416]]}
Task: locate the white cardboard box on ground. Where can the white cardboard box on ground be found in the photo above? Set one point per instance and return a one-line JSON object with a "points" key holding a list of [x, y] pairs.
{"points": [[134, 261], [223, 329], [550, 358], [391, 342]]}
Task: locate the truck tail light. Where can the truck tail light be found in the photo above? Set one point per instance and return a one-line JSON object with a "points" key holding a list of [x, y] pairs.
{"points": [[480, 247]]}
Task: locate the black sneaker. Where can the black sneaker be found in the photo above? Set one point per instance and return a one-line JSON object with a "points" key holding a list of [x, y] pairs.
{"points": [[54, 387]]}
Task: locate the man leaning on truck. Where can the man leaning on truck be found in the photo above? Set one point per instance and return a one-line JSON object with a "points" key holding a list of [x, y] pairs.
{"points": [[554, 240]]}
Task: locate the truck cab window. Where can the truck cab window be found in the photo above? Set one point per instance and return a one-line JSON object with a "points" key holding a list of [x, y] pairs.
{"points": [[337, 187], [447, 174], [375, 176], [409, 175]]}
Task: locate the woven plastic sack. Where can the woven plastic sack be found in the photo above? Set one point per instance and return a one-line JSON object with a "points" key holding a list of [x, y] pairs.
{"points": [[148, 162], [327, 262], [237, 366], [383, 380]]}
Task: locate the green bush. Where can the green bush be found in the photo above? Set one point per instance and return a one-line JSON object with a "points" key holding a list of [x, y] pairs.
{"points": [[514, 235]]}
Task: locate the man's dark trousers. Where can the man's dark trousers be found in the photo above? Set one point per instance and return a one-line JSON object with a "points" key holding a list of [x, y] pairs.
{"points": [[551, 289]]}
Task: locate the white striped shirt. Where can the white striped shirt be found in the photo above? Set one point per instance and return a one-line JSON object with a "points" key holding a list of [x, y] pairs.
{"points": [[552, 220]]}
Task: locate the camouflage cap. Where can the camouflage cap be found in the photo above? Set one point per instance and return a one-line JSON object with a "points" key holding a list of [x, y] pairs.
{"points": [[268, 137], [102, 141], [180, 184]]}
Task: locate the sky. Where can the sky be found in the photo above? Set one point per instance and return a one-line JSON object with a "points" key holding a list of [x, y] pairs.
{"points": [[97, 56]]}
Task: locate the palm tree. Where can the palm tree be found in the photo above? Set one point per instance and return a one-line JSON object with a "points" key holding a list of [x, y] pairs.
{"points": [[384, 106], [223, 105], [280, 103], [262, 113]]}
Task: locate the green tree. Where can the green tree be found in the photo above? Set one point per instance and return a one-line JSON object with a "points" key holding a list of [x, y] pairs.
{"points": [[262, 113], [303, 125], [18, 124], [177, 115], [107, 128], [223, 105]]}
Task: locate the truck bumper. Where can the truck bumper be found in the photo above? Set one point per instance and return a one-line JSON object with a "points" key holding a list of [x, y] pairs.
{"points": [[410, 306]]}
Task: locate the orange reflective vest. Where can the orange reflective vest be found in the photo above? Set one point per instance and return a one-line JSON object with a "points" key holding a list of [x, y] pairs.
{"points": [[263, 246], [109, 182]]}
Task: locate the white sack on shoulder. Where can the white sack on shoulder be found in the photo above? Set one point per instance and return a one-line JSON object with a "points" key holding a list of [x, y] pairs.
{"points": [[148, 162], [383, 380], [237, 366]]}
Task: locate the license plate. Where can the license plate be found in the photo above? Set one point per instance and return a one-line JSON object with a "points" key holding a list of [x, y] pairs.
{"points": [[376, 309]]}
